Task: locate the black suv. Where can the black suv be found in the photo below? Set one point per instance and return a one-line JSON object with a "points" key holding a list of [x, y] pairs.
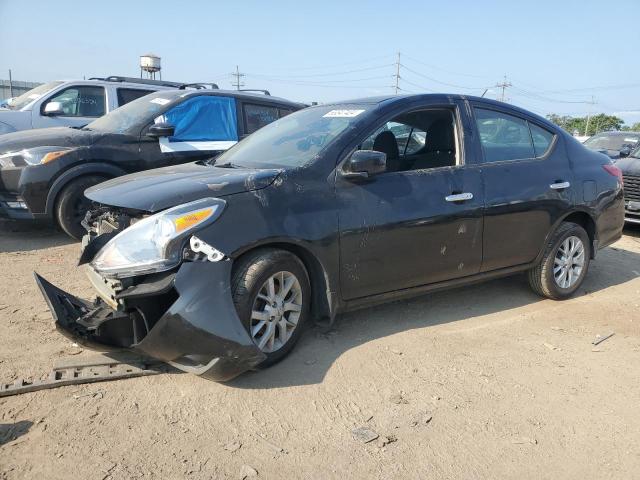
{"points": [[44, 173]]}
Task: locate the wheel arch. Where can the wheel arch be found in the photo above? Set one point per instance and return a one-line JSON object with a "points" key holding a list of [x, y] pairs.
{"points": [[323, 307], [105, 169], [583, 218]]}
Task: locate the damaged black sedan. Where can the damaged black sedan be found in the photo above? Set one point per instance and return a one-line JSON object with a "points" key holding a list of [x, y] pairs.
{"points": [[217, 266]]}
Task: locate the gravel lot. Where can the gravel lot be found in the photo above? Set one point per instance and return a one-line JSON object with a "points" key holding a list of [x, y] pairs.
{"points": [[511, 384]]}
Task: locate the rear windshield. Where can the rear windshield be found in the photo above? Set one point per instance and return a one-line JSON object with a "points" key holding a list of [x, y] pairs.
{"points": [[33, 94], [136, 113], [611, 142]]}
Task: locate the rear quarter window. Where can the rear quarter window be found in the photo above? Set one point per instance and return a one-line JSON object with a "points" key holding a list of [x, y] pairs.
{"points": [[126, 95], [542, 139]]}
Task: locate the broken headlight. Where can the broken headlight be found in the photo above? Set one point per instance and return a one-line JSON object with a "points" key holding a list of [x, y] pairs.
{"points": [[154, 244]]}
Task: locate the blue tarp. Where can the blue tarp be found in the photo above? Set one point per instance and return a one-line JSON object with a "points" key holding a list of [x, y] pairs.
{"points": [[204, 118]]}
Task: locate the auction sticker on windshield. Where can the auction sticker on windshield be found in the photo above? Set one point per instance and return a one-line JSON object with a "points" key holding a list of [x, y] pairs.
{"points": [[160, 101], [343, 113]]}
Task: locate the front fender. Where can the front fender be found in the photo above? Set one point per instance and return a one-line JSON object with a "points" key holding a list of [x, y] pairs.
{"points": [[92, 168]]}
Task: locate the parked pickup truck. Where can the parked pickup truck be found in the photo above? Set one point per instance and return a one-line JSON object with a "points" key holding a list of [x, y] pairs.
{"points": [[73, 103]]}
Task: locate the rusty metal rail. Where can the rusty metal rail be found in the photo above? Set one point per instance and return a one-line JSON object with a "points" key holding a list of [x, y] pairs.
{"points": [[98, 368]]}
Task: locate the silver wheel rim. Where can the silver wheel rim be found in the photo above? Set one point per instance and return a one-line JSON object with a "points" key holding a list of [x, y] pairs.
{"points": [[276, 311], [569, 262]]}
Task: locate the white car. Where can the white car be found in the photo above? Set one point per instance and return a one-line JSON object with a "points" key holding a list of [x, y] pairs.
{"points": [[73, 103]]}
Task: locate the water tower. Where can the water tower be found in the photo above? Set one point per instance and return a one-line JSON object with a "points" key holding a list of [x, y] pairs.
{"points": [[150, 64]]}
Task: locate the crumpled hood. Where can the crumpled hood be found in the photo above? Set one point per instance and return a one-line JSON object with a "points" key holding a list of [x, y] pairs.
{"points": [[162, 188], [40, 137]]}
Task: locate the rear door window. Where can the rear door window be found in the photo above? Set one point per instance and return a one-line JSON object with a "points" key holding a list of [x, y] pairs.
{"points": [[126, 95], [81, 101], [503, 136], [257, 116]]}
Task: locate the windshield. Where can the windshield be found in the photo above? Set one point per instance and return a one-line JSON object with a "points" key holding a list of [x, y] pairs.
{"points": [[611, 142], [137, 112], [294, 140], [33, 94]]}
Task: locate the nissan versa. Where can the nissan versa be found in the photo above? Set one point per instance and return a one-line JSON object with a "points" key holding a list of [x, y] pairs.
{"points": [[217, 266], [44, 173]]}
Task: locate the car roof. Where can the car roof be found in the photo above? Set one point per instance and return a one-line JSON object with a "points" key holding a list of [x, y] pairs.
{"points": [[232, 93], [400, 99], [143, 86]]}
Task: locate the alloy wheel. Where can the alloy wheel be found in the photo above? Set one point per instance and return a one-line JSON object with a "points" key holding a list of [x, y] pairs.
{"points": [[276, 311], [569, 262]]}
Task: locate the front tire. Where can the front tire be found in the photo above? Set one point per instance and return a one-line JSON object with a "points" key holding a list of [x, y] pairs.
{"points": [[564, 264], [72, 205], [272, 295]]}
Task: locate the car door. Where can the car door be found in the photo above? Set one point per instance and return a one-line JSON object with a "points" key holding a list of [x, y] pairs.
{"points": [[205, 125], [421, 221], [81, 104], [528, 185]]}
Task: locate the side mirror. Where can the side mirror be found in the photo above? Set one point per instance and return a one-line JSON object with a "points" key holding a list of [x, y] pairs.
{"points": [[363, 164], [52, 109], [625, 151], [161, 130]]}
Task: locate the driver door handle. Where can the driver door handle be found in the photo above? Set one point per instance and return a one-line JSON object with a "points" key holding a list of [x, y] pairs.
{"points": [[560, 185], [459, 197]]}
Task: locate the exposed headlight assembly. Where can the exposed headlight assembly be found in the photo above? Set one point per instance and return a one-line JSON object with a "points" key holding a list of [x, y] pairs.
{"points": [[155, 243], [33, 156]]}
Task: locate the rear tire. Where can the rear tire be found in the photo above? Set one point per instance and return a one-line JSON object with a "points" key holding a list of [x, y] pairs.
{"points": [[72, 205], [564, 264], [272, 296]]}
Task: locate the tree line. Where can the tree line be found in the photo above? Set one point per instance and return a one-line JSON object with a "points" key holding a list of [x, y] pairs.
{"points": [[590, 125]]}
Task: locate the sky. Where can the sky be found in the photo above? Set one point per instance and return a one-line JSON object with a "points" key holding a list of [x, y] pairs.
{"points": [[558, 55]]}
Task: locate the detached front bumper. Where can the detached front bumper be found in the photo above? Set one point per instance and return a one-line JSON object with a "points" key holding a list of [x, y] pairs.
{"points": [[198, 331]]}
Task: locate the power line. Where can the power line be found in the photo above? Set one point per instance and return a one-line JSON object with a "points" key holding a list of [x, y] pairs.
{"points": [[311, 82], [356, 62], [445, 70], [346, 72], [440, 82]]}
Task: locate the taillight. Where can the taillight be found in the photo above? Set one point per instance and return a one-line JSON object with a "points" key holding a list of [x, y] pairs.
{"points": [[614, 171]]}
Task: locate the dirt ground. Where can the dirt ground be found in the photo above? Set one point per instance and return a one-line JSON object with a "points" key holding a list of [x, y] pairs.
{"points": [[512, 385]]}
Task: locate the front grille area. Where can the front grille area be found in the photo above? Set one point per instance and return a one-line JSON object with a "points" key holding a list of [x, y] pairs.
{"points": [[631, 187]]}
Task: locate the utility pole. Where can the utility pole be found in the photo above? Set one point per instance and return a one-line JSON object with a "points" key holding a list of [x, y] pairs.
{"points": [[398, 74], [592, 103], [505, 84], [237, 83], [10, 85]]}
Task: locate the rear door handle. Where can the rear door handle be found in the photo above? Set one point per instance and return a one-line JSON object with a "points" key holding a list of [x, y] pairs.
{"points": [[459, 197], [560, 185]]}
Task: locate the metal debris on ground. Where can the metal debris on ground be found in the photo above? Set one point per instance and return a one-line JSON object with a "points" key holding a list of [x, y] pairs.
{"points": [[98, 368], [386, 440], [599, 338], [364, 434]]}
